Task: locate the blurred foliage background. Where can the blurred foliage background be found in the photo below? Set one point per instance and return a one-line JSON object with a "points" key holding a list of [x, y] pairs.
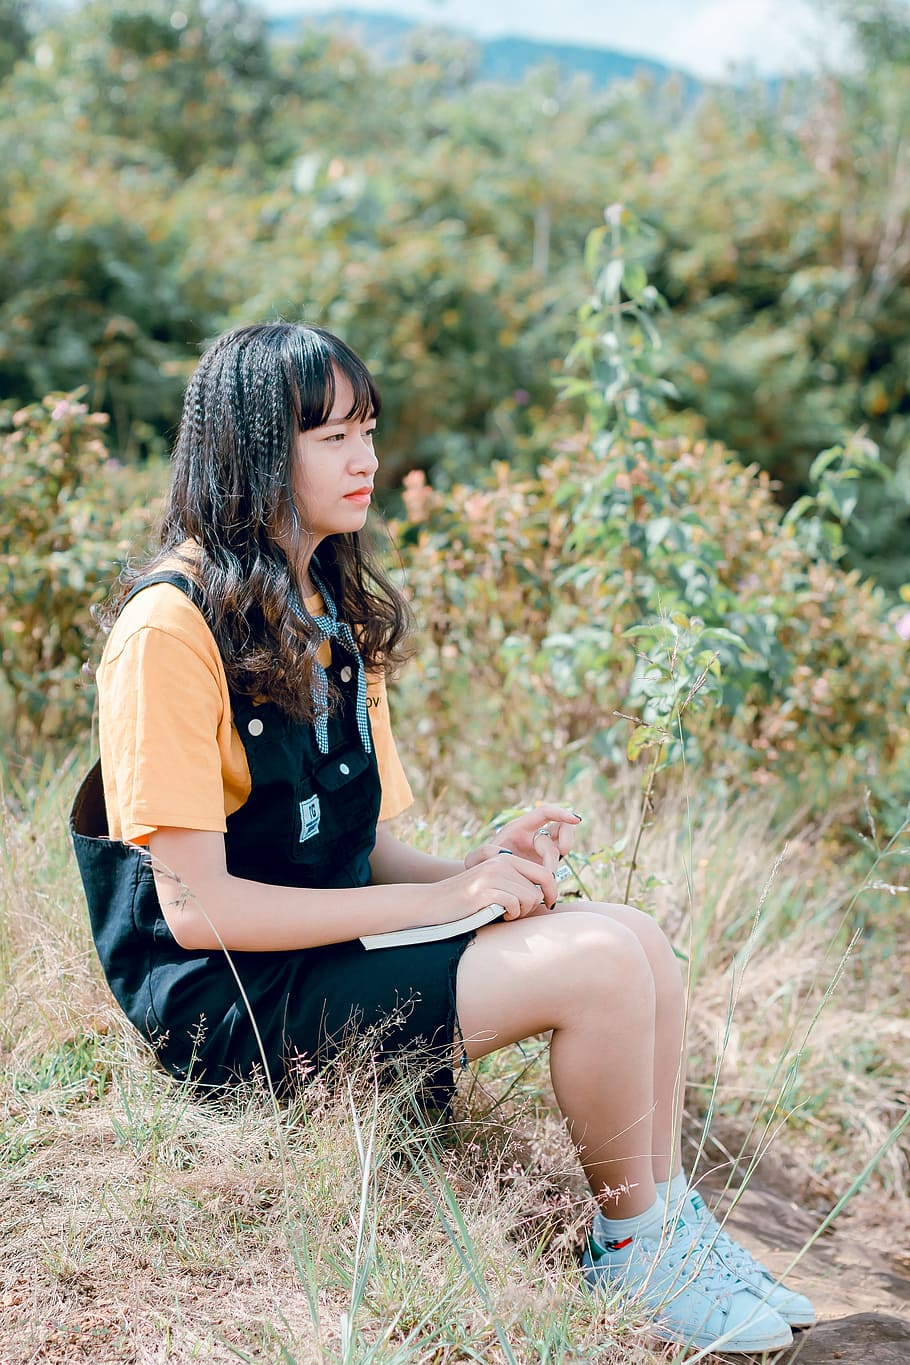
{"points": [[168, 172]]}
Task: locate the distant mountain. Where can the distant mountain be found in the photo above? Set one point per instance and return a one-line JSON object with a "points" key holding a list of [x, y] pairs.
{"points": [[503, 60]]}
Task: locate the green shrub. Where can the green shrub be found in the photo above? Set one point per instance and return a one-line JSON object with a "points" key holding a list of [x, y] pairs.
{"points": [[70, 516], [609, 582]]}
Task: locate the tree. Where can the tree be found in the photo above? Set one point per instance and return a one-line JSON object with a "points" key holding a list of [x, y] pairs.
{"points": [[194, 81]]}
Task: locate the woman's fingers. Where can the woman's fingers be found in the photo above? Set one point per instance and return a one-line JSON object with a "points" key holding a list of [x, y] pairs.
{"points": [[538, 884], [518, 883], [542, 835], [541, 814], [550, 817], [555, 835], [545, 847], [565, 839]]}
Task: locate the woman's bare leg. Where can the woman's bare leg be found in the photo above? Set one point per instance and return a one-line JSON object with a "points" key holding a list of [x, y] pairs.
{"points": [[670, 1026], [587, 977]]}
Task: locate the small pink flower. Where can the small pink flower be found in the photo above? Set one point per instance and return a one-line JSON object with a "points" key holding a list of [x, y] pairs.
{"points": [[417, 496], [61, 410], [903, 626], [475, 507]]}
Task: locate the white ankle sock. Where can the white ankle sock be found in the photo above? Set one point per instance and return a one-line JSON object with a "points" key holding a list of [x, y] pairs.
{"points": [[613, 1230], [672, 1194]]}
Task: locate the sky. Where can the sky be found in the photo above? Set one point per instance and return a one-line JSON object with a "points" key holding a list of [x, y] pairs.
{"points": [[706, 37]]}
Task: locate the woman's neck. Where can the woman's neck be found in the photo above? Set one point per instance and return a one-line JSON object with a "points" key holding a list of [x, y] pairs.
{"points": [[300, 566]]}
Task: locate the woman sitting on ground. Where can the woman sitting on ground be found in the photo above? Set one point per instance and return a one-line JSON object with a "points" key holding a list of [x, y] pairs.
{"points": [[242, 843]]}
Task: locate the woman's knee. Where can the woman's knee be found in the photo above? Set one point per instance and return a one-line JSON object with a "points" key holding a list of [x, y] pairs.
{"points": [[552, 972], [599, 960], [657, 947]]}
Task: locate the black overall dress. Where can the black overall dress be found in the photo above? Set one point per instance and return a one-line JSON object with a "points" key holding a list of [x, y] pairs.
{"points": [[310, 821]]}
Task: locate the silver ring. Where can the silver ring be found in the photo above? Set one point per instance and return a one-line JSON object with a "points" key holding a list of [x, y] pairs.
{"points": [[544, 829], [543, 899]]}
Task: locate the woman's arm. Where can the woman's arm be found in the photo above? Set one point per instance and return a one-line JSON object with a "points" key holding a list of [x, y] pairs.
{"points": [[206, 908], [392, 861]]}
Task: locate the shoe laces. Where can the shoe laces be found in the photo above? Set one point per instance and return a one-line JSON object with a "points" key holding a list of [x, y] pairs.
{"points": [[714, 1234], [687, 1251]]}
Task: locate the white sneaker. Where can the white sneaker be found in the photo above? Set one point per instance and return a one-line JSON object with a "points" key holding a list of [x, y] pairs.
{"points": [[695, 1299], [794, 1308]]}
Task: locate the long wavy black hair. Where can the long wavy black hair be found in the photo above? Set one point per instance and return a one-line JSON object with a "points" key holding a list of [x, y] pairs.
{"points": [[231, 498]]}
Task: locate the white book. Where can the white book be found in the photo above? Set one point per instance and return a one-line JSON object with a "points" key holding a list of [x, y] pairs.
{"points": [[432, 933]]}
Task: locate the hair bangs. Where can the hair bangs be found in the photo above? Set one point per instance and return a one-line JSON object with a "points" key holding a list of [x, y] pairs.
{"points": [[317, 354]]}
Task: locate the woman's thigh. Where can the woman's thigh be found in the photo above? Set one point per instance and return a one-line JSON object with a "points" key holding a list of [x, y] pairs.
{"points": [[523, 977]]}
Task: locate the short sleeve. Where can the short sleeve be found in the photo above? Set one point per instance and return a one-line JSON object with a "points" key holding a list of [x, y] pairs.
{"points": [[170, 755], [396, 790], [164, 718]]}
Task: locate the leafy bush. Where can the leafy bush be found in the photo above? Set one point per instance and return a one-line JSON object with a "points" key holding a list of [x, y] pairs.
{"points": [[70, 515], [777, 238], [568, 593]]}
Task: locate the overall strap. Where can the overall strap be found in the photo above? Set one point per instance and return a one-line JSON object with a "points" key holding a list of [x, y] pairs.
{"points": [[177, 580]]}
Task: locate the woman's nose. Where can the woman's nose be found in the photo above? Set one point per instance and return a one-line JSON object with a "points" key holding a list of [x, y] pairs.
{"points": [[366, 460]]}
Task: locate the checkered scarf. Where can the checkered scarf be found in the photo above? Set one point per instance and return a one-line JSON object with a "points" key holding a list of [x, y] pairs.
{"points": [[330, 628]]}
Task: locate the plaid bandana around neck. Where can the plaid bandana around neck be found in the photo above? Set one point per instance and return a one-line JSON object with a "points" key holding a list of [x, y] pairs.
{"points": [[330, 628]]}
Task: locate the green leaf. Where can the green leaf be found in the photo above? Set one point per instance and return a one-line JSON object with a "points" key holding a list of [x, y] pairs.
{"points": [[730, 637], [571, 388], [611, 280], [657, 530], [634, 280], [823, 462], [593, 243], [643, 737], [799, 509]]}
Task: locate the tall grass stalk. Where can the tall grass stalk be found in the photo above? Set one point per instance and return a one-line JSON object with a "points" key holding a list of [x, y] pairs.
{"points": [[789, 1057], [365, 1243], [736, 978]]}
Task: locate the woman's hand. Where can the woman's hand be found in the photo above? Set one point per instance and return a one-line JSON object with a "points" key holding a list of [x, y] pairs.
{"points": [[519, 885], [542, 835]]}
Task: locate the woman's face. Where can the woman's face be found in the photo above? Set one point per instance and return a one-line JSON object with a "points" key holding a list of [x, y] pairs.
{"points": [[334, 469]]}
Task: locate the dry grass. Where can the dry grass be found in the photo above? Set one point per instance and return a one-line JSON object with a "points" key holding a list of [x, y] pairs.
{"points": [[144, 1225]]}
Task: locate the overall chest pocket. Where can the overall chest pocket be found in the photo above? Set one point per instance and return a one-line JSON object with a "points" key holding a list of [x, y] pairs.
{"points": [[336, 805]]}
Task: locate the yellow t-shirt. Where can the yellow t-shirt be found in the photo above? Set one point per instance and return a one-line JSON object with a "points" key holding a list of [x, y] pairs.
{"points": [[170, 754]]}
